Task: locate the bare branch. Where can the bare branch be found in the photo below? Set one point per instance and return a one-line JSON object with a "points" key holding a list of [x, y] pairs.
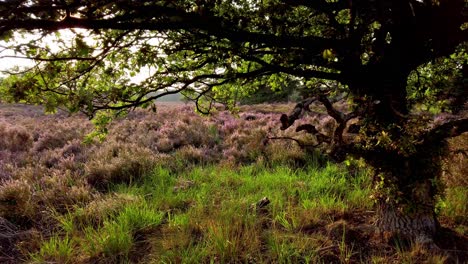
{"points": [[298, 112], [341, 118]]}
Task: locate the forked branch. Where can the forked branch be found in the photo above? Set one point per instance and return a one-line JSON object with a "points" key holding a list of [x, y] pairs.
{"points": [[302, 107]]}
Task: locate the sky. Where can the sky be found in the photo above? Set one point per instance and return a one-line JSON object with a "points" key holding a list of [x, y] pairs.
{"points": [[7, 60], [8, 63]]}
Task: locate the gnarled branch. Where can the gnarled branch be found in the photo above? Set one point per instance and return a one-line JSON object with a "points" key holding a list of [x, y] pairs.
{"points": [[298, 112], [341, 118]]}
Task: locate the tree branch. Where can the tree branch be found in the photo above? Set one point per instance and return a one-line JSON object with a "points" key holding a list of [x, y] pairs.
{"points": [[447, 130], [161, 18], [297, 112], [341, 118], [296, 71], [50, 59]]}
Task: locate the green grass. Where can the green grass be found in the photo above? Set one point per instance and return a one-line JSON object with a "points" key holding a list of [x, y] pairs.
{"points": [[57, 249], [206, 214], [453, 206]]}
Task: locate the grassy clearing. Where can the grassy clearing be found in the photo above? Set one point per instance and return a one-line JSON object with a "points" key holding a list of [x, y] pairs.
{"points": [[208, 214]]}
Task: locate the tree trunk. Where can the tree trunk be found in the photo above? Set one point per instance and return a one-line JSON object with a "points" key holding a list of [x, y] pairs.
{"points": [[406, 191], [406, 203], [415, 227]]}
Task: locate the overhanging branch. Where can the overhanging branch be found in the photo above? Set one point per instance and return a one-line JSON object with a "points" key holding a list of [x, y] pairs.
{"points": [[160, 18]]}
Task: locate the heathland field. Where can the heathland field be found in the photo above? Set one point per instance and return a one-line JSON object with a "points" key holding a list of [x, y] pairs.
{"points": [[172, 186]]}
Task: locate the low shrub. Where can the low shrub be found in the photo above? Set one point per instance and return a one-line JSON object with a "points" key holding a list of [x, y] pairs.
{"points": [[286, 153], [116, 162], [455, 163], [189, 155], [62, 190], [14, 138], [162, 132], [454, 204], [16, 201], [69, 157], [57, 134]]}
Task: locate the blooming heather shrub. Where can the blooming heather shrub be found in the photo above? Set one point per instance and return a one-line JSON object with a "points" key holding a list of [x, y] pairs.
{"points": [[165, 131], [185, 131], [268, 108], [327, 125], [74, 148], [5, 171], [164, 145], [143, 131], [50, 140], [9, 161], [116, 162], [30, 173], [128, 130], [166, 161], [50, 158], [232, 155], [61, 190], [57, 134], [55, 189], [70, 157], [16, 200], [14, 138], [228, 124], [245, 143]]}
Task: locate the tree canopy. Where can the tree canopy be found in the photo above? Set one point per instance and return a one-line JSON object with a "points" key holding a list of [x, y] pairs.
{"points": [[201, 46], [390, 57]]}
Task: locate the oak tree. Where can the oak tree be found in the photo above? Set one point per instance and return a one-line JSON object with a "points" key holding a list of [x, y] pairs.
{"points": [[390, 57]]}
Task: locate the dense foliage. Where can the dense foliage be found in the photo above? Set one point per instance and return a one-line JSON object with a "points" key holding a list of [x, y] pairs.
{"points": [[201, 46]]}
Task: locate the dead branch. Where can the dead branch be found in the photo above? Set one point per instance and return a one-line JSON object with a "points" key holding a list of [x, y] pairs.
{"points": [[302, 107], [341, 118], [297, 112]]}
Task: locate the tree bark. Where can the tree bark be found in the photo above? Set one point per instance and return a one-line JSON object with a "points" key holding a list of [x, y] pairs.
{"points": [[409, 213], [418, 227]]}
